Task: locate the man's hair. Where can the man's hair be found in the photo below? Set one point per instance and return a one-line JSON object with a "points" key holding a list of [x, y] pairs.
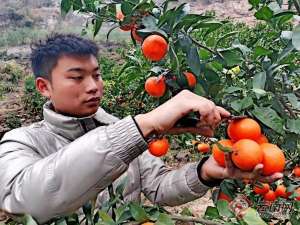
{"points": [[45, 54]]}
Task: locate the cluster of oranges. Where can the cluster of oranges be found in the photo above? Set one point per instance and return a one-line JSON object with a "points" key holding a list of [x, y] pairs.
{"points": [[156, 86], [154, 46], [249, 147]]}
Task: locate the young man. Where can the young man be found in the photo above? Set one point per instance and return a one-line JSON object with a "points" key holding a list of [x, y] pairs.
{"points": [[53, 167]]}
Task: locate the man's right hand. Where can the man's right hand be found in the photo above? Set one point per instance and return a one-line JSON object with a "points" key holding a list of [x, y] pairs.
{"points": [[163, 118]]}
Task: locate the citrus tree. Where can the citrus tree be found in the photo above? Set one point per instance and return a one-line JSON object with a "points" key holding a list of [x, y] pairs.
{"points": [[256, 77], [253, 76]]}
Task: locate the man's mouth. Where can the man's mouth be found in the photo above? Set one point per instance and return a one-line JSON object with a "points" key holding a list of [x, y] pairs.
{"points": [[94, 99]]}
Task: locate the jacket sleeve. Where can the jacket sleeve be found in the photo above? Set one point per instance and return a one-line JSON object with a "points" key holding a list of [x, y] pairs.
{"points": [[168, 187], [65, 180]]}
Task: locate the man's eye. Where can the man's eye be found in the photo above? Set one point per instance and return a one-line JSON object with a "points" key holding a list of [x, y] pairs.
{"points": [[76, 78]]}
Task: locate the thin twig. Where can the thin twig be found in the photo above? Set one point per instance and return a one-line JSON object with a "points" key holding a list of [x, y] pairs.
{"points": [[206, 48], [287, 107], [193, 219], [297, 6]]}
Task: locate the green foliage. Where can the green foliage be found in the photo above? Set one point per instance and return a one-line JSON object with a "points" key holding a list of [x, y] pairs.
{"points": [[12, 121], [21, 36], [10, 73], [32, 100]]}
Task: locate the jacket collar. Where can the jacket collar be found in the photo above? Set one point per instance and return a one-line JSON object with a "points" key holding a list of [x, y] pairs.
{"points": [[73, 127]]}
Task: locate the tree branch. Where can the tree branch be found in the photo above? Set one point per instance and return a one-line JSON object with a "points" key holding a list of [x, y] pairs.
{"points": [[186, 219], [287, 107], [205, 47], [297, 6]]}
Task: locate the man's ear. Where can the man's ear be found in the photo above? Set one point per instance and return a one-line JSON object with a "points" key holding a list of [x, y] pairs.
{"points": [[43, 86]]}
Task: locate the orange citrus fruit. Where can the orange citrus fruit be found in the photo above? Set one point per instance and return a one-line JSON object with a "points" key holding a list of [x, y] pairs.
{"points": [[244, 129], [191, 79], [203, 147], [218, 154], [246, 154], [296, 171], [155, 47], [261, 190], [155, 86], [270, 196], [262, 139], [273, 160], [159, 147]]}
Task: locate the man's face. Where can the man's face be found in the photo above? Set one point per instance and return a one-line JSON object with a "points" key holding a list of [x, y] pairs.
{"points": [[76, 87]]}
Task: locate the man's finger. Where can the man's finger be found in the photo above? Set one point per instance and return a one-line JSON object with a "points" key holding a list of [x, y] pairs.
{"points": [[270, 179], [257, 171], [223, 112]]}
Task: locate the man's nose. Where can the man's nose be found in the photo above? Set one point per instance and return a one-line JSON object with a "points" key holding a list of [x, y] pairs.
{"points": [[91, 85]]}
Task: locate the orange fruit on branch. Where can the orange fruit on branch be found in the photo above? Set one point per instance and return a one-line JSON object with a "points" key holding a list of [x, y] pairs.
{"points": [[270, 196], [273, 159], [155, 47], [281, 191], [244, 129], [225, 197], [203, 147], [191, 79], [262, 139], [261, 189], [159, 147], [155, 86], [246, 154], [218, 154], [296, 171]]}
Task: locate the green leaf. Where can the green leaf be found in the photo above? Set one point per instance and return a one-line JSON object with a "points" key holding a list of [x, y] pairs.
{"points": [[240, 104], [138, 213], [285, 52], [252, 217], [259, 80], [254, 3], [296, 37], [293, 126], [121, 186], [106, 218], [232, 57], [233, 89], [65, 6], [126, 8], [204, 54], [265, 13], [27, 220], [97, 26], [212, 213], [199, 90], [223, 148], [122, 214], [61, 221], [193, 61], [164, 219], [261, 51], [293, 100], [223, 208], [77, 4], [230, 34], [270, 118], [243, 48]]}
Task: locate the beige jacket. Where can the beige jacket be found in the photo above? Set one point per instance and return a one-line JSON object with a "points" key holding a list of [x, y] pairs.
{"points": [[55, 166]]}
